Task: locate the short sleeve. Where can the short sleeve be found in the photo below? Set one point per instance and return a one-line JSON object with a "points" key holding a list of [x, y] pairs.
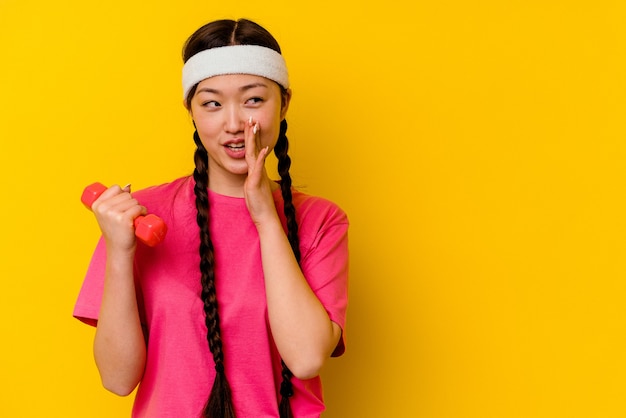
{"points": [[325, 263], [87, 307]]}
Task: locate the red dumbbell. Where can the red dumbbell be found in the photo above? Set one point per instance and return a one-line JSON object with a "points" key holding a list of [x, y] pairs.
{"points": [[149, 229]]}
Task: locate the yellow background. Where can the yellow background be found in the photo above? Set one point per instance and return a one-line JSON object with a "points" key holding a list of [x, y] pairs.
{"points": [[478, 147]]}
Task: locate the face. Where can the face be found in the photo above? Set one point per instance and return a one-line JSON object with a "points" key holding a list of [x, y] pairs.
{"points": [[222, 106]]}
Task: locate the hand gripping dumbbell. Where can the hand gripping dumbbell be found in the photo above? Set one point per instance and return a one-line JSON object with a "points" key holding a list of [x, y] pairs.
{"points": [[149, 229]]}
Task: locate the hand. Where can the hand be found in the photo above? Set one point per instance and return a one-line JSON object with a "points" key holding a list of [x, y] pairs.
{"points": [[115, 212], [257, 190]]}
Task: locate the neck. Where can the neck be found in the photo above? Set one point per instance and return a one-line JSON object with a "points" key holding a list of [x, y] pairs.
{"points": [[232, 185]]}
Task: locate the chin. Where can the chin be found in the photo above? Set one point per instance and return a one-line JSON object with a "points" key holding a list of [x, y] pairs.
{"points": [[239, 171]]}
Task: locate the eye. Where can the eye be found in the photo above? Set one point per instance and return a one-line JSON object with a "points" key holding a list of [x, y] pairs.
{"points": [[211, 103], [254, 100]]}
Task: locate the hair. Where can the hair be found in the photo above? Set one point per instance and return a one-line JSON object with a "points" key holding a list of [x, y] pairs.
{"points": [[212, 35]]}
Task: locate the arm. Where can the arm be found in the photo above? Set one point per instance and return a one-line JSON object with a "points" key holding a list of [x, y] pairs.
{"points": [[302, 330], [119, 344]]}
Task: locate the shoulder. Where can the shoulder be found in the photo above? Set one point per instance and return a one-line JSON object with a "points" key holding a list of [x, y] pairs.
{"points": [[163, 192], [318, 211], [167, 198]]}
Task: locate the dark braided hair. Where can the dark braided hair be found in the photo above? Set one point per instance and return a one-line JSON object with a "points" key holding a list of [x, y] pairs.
{"points": [[284, 163], [220, 402], [216, 34]]}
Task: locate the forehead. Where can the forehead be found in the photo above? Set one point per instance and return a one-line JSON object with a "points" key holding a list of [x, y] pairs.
{"points": [[236, 82]]}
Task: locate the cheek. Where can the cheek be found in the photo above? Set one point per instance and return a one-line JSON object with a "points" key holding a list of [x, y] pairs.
{"points": [[208, 139], [269, 136], [272, 128], [206, 129]]}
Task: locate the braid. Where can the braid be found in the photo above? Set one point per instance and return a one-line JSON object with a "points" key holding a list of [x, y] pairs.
{"points": [[284, 163], [219, 404]]}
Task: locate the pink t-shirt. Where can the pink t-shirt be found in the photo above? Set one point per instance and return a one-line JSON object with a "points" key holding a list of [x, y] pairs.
{"points": [[179, 367]]}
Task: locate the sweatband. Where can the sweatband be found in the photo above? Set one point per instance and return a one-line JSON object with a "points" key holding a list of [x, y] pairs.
{"points": [[234, 59]]}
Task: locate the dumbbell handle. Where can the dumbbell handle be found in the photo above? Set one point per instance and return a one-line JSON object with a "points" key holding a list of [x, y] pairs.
{"points": [[149, 229]]}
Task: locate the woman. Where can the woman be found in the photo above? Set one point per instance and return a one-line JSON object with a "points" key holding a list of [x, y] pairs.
{"points": [[236, 311]]}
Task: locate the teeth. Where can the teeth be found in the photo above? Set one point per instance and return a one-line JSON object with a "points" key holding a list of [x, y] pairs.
{"points": [[236, 146]]}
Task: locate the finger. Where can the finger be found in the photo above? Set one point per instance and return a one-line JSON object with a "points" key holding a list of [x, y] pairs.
{"points": [[135, 211], [144, 210], [262, 155], [256, 130], [257, 172], [253, 147], [112, 191], [250, 141], [115, 199], [124, 203]]}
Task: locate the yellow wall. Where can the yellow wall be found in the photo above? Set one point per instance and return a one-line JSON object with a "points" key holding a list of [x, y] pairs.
{"points": [[478, 147]]}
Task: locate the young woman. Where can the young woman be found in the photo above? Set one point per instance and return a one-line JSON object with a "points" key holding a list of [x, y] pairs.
{"points": [[236, 311]]}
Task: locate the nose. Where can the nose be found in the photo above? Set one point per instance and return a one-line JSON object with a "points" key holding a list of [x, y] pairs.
{"points": [[235, 120]]}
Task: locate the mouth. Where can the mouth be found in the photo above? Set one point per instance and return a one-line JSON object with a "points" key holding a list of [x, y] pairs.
{"points": [[236, 146], [235, 149]]}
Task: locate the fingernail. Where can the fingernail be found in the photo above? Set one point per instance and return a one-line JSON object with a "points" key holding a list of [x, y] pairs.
{"points": [[250, 121], [256, 128], [127, 187]]}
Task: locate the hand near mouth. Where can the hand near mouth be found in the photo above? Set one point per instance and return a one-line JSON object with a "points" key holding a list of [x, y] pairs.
{"points": [[257, 190]]}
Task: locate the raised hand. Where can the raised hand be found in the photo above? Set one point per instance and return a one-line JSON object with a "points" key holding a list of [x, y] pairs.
{"points": [[257, 187]]}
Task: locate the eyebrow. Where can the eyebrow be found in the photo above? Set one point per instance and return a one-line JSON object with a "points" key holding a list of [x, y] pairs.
{"points": [[242, 88]]}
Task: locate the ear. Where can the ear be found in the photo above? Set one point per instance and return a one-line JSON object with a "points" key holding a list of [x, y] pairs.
{"points": [[285, 104]]}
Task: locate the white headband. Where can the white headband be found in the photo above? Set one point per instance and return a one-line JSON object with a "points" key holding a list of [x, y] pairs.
{"points": [[234, 59]]}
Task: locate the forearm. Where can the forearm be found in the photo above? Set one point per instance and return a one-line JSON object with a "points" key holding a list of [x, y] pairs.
{"points": [[119, 344], [303, 332]]}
